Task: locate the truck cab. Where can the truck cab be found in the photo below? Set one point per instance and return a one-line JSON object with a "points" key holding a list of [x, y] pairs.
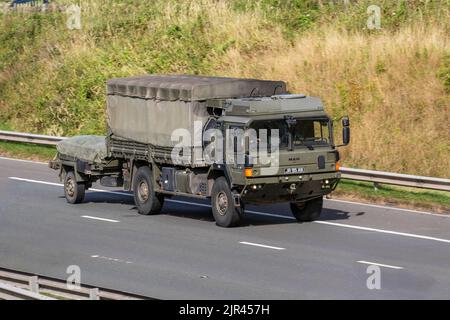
{"points": [[305, 167]]}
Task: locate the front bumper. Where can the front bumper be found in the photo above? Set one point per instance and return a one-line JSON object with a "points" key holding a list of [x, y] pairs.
{"points": [[293, 189], [293, 178]]}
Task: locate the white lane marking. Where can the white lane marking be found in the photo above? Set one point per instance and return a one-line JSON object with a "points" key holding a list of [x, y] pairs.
{"points": [[61, 185], [101, 219], [261, 245], [410, 235], [21, 160], [191, 203], [246, 211], [379, 264], [112, 192], [269, 214], [388, 208], [37, 181], [97, 256], [333, 200]]}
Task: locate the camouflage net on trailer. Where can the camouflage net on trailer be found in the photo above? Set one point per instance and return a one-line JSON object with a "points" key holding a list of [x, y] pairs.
{"points": [[88, 148]]}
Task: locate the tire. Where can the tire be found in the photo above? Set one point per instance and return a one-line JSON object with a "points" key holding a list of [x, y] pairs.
{"points": [[145, 198], [224, 211], [307, 211], [73, 190]]}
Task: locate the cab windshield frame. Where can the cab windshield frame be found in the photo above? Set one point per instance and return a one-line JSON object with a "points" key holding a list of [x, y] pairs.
{"points": [[288, 141]]}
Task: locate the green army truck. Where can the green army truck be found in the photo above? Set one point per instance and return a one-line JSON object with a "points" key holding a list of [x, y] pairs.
{"points": [[232, 141]]}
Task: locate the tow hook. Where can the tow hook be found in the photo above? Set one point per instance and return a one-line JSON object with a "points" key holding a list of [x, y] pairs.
{"points": [[292, 188]]}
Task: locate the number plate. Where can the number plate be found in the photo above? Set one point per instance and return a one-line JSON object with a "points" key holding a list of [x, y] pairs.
{"points": [[294, 170]]}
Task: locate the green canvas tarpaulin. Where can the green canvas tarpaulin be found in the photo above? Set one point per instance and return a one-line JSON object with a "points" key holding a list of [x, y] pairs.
{"points": [[148, 109], [88, 148], [192, 88]]}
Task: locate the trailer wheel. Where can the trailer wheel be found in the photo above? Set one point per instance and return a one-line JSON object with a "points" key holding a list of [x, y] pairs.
{"points": [[307, 211], [73, 190], [145, 198], [224, 211]]}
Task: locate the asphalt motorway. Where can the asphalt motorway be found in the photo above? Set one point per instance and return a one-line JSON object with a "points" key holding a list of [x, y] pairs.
{"points": [[182, 254]]}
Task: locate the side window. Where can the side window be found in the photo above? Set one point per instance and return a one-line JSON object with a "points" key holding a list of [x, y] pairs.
{"points": [[237, 141], [318, 130], [211, 124], [321, 131]]}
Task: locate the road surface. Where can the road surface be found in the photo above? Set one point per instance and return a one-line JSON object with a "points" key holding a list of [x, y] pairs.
{"points": [[182, 254]]}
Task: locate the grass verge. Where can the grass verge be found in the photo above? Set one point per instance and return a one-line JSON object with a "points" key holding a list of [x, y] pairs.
{"points": [[54, 296], [420, 199], [412, 198], [26, 151]]}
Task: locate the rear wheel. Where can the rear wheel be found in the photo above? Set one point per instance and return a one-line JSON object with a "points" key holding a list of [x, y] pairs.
{"points": [[145, 197], [224, 211], [73, 190], [307, 211]]}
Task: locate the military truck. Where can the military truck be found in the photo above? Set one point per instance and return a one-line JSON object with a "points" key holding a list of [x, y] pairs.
{"points": [[159, 145]]}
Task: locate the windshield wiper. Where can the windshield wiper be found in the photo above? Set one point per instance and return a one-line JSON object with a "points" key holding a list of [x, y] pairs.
{"points": [[291, 123], [303, 143]]}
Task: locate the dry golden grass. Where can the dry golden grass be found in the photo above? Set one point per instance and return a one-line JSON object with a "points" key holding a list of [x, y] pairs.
{"points": [[386, 82]]}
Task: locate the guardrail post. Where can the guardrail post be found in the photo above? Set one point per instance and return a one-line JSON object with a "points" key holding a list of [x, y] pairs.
{"points": [[376, 186], [34, 284], [94, 294]]}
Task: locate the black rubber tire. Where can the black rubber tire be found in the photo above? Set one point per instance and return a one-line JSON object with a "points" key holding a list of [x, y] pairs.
{"points": [[145, 198], [307, 211], [226, 215], [73, 190]]}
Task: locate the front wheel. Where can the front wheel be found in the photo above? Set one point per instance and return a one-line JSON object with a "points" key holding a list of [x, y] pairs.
{"points": [[73, 190], [224, 211], [145, 197], [307, 211]]}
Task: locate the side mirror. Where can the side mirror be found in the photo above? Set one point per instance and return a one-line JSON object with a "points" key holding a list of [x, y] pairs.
{"points": [[345, 122], [345, 132], [346, 135]]}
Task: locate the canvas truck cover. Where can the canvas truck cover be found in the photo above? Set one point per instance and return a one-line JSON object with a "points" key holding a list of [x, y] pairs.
{"points": [[149, 108], [88, 148]]}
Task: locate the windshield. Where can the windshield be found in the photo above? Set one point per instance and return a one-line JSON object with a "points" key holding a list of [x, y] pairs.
{"points": [[297, 132]]}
